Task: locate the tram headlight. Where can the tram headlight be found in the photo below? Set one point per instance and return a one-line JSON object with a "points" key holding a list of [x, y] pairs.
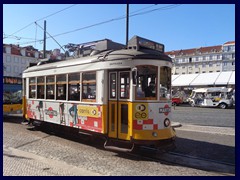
{"points": [[167, 122], [154, 134]]}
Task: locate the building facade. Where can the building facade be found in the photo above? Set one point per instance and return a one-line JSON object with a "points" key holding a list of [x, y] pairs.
{"points": [[204, 59], [16, 59]]}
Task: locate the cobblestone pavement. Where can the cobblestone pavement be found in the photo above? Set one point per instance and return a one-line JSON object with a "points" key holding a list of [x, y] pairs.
{"points": [[31, 152]]}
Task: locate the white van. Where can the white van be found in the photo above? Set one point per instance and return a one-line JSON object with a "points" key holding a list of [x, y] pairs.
{"points": [[212, 97]]}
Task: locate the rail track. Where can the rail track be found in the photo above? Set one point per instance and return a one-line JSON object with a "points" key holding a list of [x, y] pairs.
{"points": [[174, 158]]}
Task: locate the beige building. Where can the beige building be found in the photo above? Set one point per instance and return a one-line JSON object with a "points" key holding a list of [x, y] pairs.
{"points": [[204, 59], [16, 59]]}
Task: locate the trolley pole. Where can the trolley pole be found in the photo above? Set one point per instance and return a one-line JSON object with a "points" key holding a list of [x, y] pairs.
{"points": [[44, 40], [127, 19]]}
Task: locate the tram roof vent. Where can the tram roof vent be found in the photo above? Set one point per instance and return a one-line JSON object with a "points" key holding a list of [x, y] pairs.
{"points": [[94, 47], [141, 43]]}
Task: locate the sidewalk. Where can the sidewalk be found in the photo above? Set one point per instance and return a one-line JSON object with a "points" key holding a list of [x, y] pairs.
{"points": [[21, 163]]}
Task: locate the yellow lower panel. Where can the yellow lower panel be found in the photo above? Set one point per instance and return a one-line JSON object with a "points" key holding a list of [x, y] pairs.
{"points": [[12, 107], [148, 134], [104, 119]]}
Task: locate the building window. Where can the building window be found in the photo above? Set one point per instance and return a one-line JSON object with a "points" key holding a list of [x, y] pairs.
{"points": [[214, 57], [225, 64], [8, 69], [16, 70], [210, 65], [16, 59], [190, 60], [218, 57], [8, 59]]}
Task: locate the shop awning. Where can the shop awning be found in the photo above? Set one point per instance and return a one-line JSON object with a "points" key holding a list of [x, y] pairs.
{"points": [[204, 79]]}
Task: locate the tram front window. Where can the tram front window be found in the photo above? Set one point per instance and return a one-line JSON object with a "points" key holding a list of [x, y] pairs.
{"points": [[147, 80], [165, 83]]}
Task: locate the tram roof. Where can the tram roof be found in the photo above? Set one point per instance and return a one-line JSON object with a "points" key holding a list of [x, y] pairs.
{"points": [[138, 48]]}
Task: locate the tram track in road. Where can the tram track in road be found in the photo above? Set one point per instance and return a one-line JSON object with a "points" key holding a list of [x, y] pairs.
{"points": [[175, 158]]}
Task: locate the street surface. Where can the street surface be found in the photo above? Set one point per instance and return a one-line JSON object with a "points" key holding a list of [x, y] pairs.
{"points": [[32, 151]]}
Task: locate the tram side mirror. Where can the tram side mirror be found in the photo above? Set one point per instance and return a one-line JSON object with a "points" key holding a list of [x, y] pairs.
{"points": [[134, 76]]}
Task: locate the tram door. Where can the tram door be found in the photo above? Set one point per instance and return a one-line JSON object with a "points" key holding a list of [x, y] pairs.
{"points": [[118, 117]]}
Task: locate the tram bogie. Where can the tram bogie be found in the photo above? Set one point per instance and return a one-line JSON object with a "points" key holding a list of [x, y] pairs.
{"points": [[123, 95]]}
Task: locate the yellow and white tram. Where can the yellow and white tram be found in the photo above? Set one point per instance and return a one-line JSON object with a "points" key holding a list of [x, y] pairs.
{"points": [[122, 94]]}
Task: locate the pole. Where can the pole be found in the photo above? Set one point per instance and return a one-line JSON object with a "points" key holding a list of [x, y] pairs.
{"points": [[127, 18], [44, 40]]}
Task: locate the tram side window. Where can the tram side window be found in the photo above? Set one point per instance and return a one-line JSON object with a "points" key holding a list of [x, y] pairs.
{"points": [[147, 80], [32, 87], [40, 87], [50, 87], [89, 86], [74, 87], [61, 87], [165, 82]]}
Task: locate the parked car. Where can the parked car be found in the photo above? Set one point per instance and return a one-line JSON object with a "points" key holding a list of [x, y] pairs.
{"points": [[212, 97], [176, 101]]}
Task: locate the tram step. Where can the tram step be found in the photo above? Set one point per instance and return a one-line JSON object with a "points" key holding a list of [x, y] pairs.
{"points": [[116, 148]]}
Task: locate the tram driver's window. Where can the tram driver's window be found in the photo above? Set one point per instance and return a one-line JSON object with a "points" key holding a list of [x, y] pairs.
{"points": [[61, 86], [89, 86], [147, 78], [74, 87], [50, 88], [165, 82]]}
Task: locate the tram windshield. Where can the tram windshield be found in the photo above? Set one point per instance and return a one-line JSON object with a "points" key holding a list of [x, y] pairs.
{"points": [[147, 82]]}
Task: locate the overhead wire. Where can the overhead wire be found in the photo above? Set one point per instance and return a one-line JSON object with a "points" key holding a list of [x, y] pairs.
{"points": [[115, 19], [42, 19]]}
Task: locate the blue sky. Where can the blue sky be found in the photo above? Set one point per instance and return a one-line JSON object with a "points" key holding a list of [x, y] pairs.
{"points": [[177, 26]]}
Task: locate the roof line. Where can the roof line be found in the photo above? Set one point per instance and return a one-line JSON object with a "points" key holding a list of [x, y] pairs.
{"points": [[217, 78], [194, 79], [230, 77]]}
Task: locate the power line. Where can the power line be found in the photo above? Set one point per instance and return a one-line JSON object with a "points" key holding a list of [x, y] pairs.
{"points": [[42, 19], [115, 19], [50, 36], [118, 18]]}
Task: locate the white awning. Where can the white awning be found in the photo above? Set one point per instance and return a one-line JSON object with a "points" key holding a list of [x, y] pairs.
{"points": [[232, 78], [184, 79], [204, 79], [223, 78]]}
